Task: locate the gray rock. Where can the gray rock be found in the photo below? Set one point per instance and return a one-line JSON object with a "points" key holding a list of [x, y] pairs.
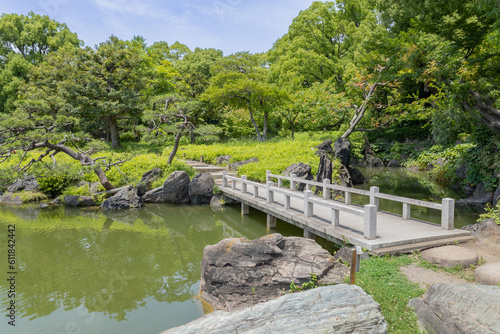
{"points": [[302, 171], [496, 197], [341, 309], [237, 273], [342, 149], [147, 179], [486, 228], [176, 188], [235, 165], [437, 162], [29, 183], [459, 308], [413, 169], [223, 159], [373, 161], [79, 201], [43, 205], [461, 171], [345, 255], [156, 195], [56, 201], [218, 201], [479, 197], [11, 198], [125, 199], [357, 177], [450, 256], [394, 163], [488, 274], [201, 188]]}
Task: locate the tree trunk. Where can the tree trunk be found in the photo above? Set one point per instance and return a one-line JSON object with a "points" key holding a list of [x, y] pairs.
{"points": [[259, 137], [103, 178], [115, 136], [176, 147], [264, 128]]}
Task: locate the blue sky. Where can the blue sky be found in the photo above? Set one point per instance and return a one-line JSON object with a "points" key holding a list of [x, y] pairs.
{"points": [[229, 25]]}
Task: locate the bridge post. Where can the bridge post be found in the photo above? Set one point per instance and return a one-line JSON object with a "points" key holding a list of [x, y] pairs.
{"points": [[448, 214], [326, 191], [243, 184], [308, 206], [335, 218], [255, 191], [347, 197], [280, 182], [245, 209], [233, 184], [224, 179], [309, 235], [270, 192], [406, 210], [292, 182], [271, 221], [268, 178], [370, 231], [373, 199], [287, 202]]}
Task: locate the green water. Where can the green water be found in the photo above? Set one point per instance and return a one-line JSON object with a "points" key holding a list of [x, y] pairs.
{"points": [[137, 271], [130, 271]]}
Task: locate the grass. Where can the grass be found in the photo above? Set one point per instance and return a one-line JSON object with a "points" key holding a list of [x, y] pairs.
{"points": [[380, 277]]}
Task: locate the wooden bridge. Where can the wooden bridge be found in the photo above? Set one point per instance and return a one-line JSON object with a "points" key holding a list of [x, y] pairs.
{"points": [[341, 221]]}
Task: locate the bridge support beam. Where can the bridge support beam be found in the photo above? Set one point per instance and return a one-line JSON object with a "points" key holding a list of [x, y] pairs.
{"points": [[245, 209], [309, 235], [271, 221]]}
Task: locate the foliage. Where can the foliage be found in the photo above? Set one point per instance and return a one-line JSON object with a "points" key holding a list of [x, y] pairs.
{"points": [[313, 283], [31, 196], [380, 277], [53, 183], [490, 213]]}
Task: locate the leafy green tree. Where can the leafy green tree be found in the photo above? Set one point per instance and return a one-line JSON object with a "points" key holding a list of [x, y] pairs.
{"points": [[241, 81]]}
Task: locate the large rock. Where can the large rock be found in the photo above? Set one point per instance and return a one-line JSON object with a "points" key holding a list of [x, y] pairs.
{"points": [[126, 198], [394, 163], [223, 159], [147, 179], [341, 309], [236, 165], [357, 177], [462, 172], [342, 149], [496, 197], [237, 273], [219, 201], [176, 188], [29, 183], [201, 188], [373, 161], [480, 197], [488, 274], [156, 195], [79, 201], [11, 198], [302, 171], [459, 309]]}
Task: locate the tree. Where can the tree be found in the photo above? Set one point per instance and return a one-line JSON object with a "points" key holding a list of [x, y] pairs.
{"points": [[241, 81]]}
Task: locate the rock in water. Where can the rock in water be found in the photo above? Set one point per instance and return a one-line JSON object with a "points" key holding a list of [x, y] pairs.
{"points": [[79, 201], [156, 195], [176, 188], [124, 199], [459, 308], [27, 184], [237, 273], [147, 179], [201, 188], [340, 309]]}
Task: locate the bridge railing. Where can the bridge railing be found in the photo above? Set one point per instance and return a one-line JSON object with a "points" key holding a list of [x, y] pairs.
{"points": [[447, 206], [369, 213]]}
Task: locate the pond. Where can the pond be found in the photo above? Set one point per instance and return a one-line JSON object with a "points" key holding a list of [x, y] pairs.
{"points": [[138, 271]]}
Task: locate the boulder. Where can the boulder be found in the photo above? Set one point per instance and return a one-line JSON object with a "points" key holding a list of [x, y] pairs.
{"points": [[126, 198], [394, 163], [29, 183], [373, 161], [201, 188], [496, 197], [459, 308], [219, 200], [156, 195], [357, 177], [223, 159], [462, 172], [236, 273], [480, 197], [176, 188], [302, 171], [342, 149], [235, 165], [147, 179], [341, 309], [345, 177], [488, 274], [79, 201], [345, 255], [11, 198], [450, 256]]}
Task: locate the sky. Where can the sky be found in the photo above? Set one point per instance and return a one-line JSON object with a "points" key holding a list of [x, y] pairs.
{"points": [[228, 25]]}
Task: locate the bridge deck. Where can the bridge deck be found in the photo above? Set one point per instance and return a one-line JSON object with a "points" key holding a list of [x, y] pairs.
{"points": [[392, 230]]}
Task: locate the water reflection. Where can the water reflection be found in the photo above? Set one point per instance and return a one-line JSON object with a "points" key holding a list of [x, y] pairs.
{"points": [[115, 267]]}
